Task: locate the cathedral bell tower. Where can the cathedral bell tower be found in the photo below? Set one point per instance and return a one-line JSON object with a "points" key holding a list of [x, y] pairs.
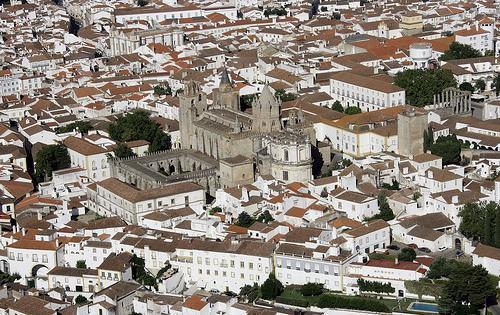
{"points": [[226, 96], [266, 112], [192, 102]]}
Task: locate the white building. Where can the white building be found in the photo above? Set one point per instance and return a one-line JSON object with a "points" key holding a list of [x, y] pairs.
{"points": [[367, 93]]}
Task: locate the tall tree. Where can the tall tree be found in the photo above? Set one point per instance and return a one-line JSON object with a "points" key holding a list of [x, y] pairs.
{"points": [[480, 85], [449, 148], [271, 288], [422, 84], [51, 158], [472, 223], [497, 227], [496, 84], [337, 106], [351, 110]]}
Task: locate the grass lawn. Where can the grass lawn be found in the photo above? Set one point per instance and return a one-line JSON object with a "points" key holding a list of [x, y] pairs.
{"points": [[292, 292], [391, 303]]}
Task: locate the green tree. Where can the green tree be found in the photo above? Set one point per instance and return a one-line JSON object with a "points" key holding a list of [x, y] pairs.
{"points": [[352, 110], [497, 227], [496, 84], [246, 101], [245, 220], [265, 217], [142, 3], [472, 223], [449, 148], [51, 158], [250, 292], [489, 221], [162, 90], [138, 126], [312, 289], [460, 51], [82, 126], [407, 254], [281, 11], [284, 96], [466, 86], [80, 299], [123, 151], [81, 264], [271, 288], [385, 211], [422, 84], [480, 85], [338, 107], [466, 294]]}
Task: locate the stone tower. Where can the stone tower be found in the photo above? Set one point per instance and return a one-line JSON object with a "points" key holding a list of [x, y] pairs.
{"points": [[411, 127], [226, 96], [266, 112], [192, 102]]}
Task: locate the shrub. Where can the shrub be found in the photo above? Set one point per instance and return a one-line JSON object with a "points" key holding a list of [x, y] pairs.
{"points": [[291, 301], [353, 303]]}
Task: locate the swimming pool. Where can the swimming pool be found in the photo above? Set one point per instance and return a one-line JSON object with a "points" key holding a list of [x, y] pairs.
{"points": [[424, 307]]}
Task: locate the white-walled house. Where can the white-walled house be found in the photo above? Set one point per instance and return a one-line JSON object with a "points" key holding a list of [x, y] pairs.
{"points": [[488, 257], [88, 156], [32, 259]]}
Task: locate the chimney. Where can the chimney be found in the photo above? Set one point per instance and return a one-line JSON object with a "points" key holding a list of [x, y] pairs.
{"points": [[477, 25], [39, 215], [23, 231], [430, 174], [454, 199], [57, 242], [396, 261]]}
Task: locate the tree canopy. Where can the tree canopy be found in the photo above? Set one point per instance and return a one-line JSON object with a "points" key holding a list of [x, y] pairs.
{"points": [[265, 217], [337, 106], [496, 84], [51, 158], [480, 85], [449, 148], [137, 125], [422, 84], [162, 90], [245, 220], [123, 151], [285, 96], [351, 110], [466, 86], [81, 126], [479, 222], [407, 254], [271, 288], [460, 51]]}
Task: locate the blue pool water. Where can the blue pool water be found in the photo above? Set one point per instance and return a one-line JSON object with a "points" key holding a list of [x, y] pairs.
{"points": [[424, 307]]}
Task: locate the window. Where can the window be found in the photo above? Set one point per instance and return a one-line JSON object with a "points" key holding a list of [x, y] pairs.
{"points": [[285, 175], [242, 264], [19, 257], [186, 200], [35, 257], [45, 258]]}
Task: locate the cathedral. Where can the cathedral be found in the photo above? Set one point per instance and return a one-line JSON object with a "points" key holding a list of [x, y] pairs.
{"points": [[245, 143]]}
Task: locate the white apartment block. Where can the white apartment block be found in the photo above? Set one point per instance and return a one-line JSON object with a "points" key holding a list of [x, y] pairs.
{"points": [[300, 264], [227, 265], [367, 93]]}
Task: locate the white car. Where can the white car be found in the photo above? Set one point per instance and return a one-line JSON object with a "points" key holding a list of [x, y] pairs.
{"points": [[442, 248]]}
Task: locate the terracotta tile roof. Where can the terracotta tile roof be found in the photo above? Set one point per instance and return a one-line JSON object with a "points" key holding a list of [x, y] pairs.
{"points": [[195, 302], [487, 251]]}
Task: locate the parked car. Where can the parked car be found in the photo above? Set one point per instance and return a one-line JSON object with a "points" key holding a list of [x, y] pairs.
{"points": [[414, 246], [424, 249], [442, 248], [393, 247]]}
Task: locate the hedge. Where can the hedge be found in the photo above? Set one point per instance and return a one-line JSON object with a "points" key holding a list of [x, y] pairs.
{"points": [[292, 301], [353, 303]]}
